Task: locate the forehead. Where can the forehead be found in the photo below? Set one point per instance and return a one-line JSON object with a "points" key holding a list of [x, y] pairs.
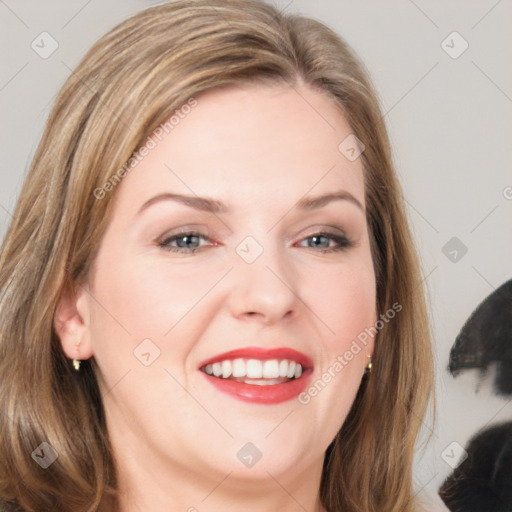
{"points": [[250, 144]]}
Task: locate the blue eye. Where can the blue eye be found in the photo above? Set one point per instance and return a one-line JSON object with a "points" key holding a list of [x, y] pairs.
{"points": [[182, 239], [188, 242], [342, 242]]}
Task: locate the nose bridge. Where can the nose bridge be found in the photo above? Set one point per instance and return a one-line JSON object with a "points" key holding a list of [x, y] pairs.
{"points": [[264, 281]]}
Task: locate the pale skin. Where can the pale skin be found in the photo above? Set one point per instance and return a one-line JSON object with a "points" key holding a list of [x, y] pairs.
{"points": [[259, 149]]}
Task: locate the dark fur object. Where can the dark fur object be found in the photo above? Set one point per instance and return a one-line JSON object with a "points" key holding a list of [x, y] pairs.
{"points": [[483, 482], [486, 338]]}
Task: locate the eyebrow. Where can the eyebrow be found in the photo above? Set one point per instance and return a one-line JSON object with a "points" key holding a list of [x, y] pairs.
{"points": [[210, 205], [312, 203]]}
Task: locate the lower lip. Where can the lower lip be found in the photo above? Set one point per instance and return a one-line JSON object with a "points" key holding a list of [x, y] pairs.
{"points": [[272, 394]]}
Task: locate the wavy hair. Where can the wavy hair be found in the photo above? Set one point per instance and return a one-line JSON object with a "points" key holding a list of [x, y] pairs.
{"points": [[128, 83]]}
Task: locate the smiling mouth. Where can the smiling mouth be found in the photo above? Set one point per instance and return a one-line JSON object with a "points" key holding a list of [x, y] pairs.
{"points": [[255, 371], [259, 375]]}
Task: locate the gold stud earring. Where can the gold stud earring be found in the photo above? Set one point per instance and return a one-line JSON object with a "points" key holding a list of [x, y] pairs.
{"points": [[76, 362], [369, 367]]}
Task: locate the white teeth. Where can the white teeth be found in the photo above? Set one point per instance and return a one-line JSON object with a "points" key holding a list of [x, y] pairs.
{"points": [[291, 369], [238, 368], [255, 369], [271, 369], [283, 368], [217, 369], [226, 369]]}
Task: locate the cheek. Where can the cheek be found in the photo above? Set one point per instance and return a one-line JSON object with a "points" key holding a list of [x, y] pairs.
{"points": [[137, 299], [344, 300], [149, 299]]}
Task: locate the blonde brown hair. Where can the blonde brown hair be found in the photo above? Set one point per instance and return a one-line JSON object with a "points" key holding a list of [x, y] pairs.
{"points": [[131, 81]]}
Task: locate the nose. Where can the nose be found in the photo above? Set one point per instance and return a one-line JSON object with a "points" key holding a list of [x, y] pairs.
{"points": [[265, 290]]}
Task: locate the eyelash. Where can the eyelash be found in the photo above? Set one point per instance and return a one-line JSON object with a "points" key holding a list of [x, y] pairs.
{"points": [[343, 242]]}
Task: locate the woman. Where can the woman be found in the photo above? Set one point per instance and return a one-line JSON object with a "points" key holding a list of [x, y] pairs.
{"points": [[210, 295]]}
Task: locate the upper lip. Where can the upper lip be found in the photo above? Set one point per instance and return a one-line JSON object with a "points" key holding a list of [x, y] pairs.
{"points": [[263, 354]]}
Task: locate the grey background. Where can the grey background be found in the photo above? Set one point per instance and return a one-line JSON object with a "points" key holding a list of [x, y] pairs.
{"points": [[450, 124]]}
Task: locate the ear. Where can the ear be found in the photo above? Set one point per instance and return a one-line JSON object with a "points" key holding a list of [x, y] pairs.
{"points": [[71, 322]]}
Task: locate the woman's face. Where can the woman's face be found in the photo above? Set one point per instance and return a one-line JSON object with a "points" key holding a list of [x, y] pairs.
{"points": [[253, 277]]}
